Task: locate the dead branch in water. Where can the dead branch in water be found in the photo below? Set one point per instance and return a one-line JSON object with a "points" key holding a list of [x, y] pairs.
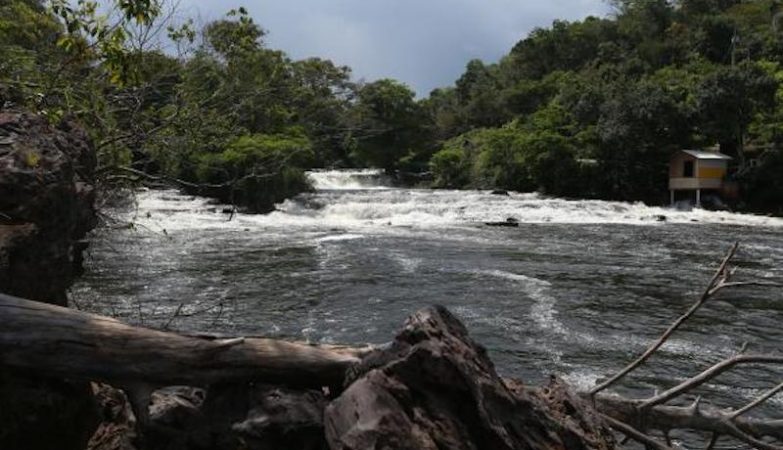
{"points": [[633, 417], [718, 282]]}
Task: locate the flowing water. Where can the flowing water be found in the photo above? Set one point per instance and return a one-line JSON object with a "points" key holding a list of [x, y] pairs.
{"points": [[578, 289]]}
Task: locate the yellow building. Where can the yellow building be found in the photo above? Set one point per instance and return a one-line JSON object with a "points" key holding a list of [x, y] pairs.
{"points": [[697, 171]]}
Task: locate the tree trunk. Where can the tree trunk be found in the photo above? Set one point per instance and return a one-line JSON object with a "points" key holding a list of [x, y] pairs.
{"points": [[61, 342]]}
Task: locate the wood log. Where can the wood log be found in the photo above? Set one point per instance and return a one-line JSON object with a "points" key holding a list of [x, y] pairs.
{"points": [[62, 342]]}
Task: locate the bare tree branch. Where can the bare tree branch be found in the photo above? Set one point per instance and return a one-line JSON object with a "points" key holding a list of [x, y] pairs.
{"points": [[755, 403], [721, 276], [634, 434], [701, 418], [709, 374], [712, 442]]}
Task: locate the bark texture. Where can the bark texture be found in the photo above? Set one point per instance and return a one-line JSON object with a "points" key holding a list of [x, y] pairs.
{"points": [[64, 342]]}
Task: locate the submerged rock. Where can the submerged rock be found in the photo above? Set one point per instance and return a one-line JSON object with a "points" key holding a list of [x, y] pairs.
{"points": [[509, 222]]}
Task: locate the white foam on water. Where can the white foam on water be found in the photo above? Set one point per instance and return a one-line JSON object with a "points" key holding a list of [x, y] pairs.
{"points": [[441, 208], [544, 313], [348, 179], [365, 208], [407, 264], [543, 310], [581, 379], [340, 238]]}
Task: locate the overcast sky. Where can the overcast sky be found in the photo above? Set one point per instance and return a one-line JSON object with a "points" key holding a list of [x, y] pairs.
{"points": [[423, 43]]}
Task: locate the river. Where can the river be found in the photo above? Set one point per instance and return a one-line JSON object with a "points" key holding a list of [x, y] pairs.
{"points": [[578, 289]]}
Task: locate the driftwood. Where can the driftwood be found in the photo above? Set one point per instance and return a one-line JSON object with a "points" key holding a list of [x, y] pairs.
{"points": [[72, 344]]}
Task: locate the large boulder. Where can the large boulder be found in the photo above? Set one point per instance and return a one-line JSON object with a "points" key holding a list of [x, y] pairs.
{"points": [[228, 417], [46, 205], [435, 388]]}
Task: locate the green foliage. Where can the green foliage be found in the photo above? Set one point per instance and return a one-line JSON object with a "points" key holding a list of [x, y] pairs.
{"points": [[234, 39], [258, 153], [450, 167], [241, 118], [258, 170], [507, 158], [608, 101], [388, 125], [763, 185], [592, 107], [729, 99]]}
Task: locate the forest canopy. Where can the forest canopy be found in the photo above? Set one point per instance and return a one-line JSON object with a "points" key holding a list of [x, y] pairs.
{"points": [[591, 108]]}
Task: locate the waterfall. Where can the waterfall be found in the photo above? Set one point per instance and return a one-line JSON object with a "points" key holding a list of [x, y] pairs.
{"points": [[350, 179]]}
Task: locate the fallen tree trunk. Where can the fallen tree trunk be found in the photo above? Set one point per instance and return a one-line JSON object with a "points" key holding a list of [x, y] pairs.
{"points": [[63, 342]]}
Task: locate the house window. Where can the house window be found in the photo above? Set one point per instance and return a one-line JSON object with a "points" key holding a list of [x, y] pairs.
{"points": [[687, 169]]}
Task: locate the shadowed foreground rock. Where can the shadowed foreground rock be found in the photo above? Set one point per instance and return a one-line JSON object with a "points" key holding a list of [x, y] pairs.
{"points": [[435, 388]]}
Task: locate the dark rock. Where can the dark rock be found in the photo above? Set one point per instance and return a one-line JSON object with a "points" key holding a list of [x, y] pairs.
{"points": [[500, 192], [226, 417], [46, 208], [434, 388], [509, 222], [176, 406], [176, 421], [282, 419], [117, 429], [583, 426], [46, 205]]}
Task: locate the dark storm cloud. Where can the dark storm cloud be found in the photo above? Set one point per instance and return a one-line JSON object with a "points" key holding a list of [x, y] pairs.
{"points": [[424, 43]]}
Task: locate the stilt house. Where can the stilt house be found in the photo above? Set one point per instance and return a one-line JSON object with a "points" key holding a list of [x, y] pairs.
{"points": [[696, 171]]}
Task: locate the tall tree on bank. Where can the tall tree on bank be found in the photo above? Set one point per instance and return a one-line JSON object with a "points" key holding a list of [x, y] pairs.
{"points": [[387, 124]]}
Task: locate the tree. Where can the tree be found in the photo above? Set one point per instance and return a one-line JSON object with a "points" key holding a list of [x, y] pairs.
{"points": [[322, 96], [387, 123], [727, 101], [511, 158], [235, 37], [639, 128]]}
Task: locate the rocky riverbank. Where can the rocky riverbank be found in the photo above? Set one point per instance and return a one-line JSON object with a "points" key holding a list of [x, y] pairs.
{"points": [[46, 205], [432, 388]]}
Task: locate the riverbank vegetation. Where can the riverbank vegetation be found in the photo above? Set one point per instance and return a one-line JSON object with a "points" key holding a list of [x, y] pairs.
{"points": [[592, 108], [212, 108], [596, 108]]}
